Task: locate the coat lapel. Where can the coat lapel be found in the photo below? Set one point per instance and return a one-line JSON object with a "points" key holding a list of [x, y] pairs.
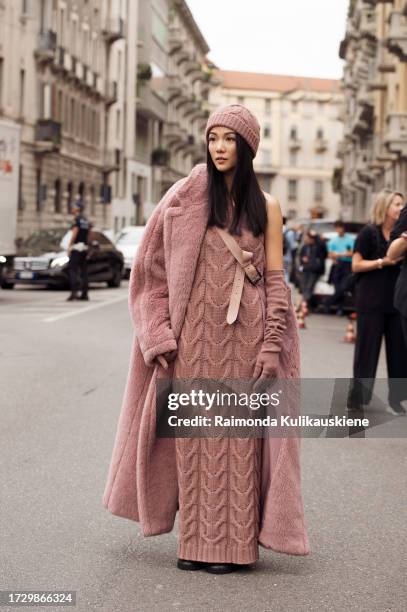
{"points": [[184, 229]]}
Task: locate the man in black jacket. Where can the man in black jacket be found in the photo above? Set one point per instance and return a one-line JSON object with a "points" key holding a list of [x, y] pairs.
{"points": [[397, 249]]}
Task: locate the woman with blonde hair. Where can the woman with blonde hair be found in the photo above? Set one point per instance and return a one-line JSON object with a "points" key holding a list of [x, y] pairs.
{"points": [[376, 316]]}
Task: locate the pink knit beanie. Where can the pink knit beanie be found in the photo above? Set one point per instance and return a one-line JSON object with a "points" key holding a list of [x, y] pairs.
{"points": [[237, 117]]}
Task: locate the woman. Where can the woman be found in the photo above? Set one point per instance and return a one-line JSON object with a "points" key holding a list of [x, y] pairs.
{"points": [[398, 249], [197, 315], [376, 316], [312, 264]]}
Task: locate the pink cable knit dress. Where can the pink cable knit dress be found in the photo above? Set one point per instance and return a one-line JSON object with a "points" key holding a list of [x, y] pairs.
{"points": [[219, 479]]}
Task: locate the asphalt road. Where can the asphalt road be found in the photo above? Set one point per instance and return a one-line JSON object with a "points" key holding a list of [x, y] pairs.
{"points": [[63, 369]]}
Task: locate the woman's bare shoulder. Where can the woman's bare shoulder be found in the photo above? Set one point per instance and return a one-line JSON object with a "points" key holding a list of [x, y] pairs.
{"points": [[273, 205]]}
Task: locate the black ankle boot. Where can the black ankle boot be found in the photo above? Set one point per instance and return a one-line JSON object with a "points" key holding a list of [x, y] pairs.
{"points": [[191, 566], [72, 297], [220, 568], [84, 296]]}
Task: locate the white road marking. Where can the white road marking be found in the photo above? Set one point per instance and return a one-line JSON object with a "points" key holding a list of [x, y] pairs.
{"points": [[73, 313]]}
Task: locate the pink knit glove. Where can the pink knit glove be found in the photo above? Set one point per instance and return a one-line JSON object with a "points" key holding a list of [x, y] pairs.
{"points": [[275, 324]]}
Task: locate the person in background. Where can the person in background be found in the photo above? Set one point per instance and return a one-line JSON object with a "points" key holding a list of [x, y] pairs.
{"points": [[340, 249], [78, 253], [289, 246], [397, 249], [376, 315], [312, 264]]}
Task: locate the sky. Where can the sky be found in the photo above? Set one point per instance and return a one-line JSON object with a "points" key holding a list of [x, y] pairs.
{"points": [[295, 37]]}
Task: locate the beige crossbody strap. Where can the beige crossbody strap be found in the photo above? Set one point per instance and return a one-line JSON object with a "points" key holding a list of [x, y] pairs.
{"points": [[243, 266]]}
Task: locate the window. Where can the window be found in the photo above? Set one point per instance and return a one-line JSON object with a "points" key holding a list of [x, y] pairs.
{"points": [[72, 122], [319, 190], [57, 196], [293, 158], [1, 79], [294, 106], [22, 93], [92, 199], [69, 189], [39, 191], [267, 131], [267, 107], [293, 133], [240, 100], [60, 114], [292, 189], [20, 189], [320, 133]]}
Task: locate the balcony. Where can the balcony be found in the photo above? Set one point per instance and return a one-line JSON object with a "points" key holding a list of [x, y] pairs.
{"points": [[193, 68], [113, 30], [171, 133], [160, 157], [381, 155], [48, 132], [150, 104], [175, 40], [363, 171], [321, 145], [362, 123], [174, 86], [294, 143], [111, 160], [396, 134], [397, 36], [111, 92], [368, 23], [64, 60], [47, 46], [182, 56]]}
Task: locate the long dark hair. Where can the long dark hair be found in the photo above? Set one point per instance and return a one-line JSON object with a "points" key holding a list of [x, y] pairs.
{"points": [[250, 202]]}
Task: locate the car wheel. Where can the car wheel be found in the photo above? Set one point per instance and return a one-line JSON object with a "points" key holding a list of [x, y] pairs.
{"points": [[117, 278], [7, 285]]}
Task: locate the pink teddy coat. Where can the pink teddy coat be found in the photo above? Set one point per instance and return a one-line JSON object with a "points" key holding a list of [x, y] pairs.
{"points": [[142, 479]]}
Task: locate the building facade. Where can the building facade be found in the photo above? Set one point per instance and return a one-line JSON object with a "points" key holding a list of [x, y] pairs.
{"points": [[172, 88], [374, 148], [60, 83], [301, 127]]}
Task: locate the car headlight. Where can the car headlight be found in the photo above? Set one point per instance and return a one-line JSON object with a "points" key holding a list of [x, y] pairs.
{"points": [[58, 262], [2, 259]]}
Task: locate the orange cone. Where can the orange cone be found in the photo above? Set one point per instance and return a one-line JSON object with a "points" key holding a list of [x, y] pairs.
{"points": [[349, 336], [301, 320]]}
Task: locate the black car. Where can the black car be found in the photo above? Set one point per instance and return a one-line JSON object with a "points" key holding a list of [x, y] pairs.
{"points": [[43, 259]]}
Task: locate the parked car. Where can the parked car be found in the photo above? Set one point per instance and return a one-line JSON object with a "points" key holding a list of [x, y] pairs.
{"points": [[43, 259], [127, 242], [326, 230]]}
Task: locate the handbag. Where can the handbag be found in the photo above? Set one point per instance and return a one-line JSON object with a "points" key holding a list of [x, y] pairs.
{"points": [[244, 267]]}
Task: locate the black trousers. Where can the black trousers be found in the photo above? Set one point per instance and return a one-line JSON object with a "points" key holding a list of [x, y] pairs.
{"points": [[404, 326], [371, 327], [308, 282], [340, 275], [78, 271]]}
